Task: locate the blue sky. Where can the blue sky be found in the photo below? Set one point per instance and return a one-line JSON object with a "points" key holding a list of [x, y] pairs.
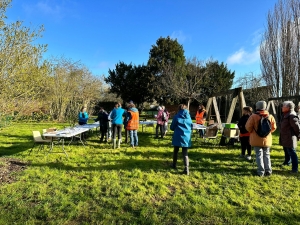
{"points": [[101, 33]]}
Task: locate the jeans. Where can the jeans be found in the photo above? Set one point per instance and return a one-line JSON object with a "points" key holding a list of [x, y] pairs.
{"points": [[263, 160], [291, 156], [117, 129], [133, 138]]}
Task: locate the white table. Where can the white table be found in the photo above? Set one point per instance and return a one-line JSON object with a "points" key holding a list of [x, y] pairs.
{"points": [[70, 132], [147, 123]]}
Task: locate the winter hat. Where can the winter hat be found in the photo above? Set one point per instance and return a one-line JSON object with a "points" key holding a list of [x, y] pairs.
{"points": [[261, 105], [289, 104]]}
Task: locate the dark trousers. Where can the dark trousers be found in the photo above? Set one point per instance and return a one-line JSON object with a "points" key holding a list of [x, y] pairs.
{"points": [[291, 156], [117, 129], [161, 128], [184, 156], [103, 132], [245, 145]]}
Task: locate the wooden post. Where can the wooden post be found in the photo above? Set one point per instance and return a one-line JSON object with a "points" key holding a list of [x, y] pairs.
{"points": [[217, 111], [232, 107]]}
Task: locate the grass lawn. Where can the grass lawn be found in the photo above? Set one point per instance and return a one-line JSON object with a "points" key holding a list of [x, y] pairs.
{"points": [[98, 185]]}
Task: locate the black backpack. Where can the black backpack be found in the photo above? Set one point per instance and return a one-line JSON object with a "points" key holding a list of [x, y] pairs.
{"points": [[264, 127]]}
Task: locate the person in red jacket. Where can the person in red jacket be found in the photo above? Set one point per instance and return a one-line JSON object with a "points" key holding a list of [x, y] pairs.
{"points": [[201, 118], [244, 134]]}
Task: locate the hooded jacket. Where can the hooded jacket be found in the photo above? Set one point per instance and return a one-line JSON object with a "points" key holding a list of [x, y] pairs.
{"points": [[182, 126], [132, 119], [252, 123], [289, 130]]}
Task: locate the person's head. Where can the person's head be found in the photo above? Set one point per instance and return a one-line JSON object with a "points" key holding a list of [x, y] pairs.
{"points": [[181, 107], [247, 110], [159, 108], [163, 107], [131, 105], [117, 104], [101, 109], [261, 105], [130, 102], [201, 107], [83, 109], [288, 106]]}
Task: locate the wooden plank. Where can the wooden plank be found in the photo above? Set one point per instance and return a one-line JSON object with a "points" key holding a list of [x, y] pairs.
{"points": [[232, 107], [208, 111], [217, 111], [242, 101]]}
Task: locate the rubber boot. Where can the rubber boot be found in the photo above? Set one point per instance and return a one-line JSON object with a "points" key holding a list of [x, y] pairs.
{"points": [[186, 165], [173, 165], [114, 143], [119, 142]]}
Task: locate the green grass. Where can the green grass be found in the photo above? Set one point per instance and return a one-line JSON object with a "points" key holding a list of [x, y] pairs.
{"points": [[98, 185]]}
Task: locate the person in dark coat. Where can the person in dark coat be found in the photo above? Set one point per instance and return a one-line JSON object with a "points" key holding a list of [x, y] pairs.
{"points": [[182, 126], [289, 132], [103, 122], [244, 134]]}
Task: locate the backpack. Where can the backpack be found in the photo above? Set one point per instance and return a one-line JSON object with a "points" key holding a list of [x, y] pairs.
{"points": [[264, 127], [164, 116]]}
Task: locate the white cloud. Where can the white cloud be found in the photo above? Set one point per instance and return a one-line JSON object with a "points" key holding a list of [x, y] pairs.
{"points": [[243, 57], [48, 8], [179, 35], [257, 37]]}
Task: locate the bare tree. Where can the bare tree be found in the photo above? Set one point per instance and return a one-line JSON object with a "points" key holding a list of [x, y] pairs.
{"points": [[183, 80], [280, 49]]}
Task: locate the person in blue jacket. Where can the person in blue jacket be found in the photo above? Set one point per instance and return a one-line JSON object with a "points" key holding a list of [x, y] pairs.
{"points": [[83, 116], [182, 126], [117, 123]]}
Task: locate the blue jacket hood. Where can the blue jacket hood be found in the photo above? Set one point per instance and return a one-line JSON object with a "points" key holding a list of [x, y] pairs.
{"points": [[183, 113], [133, 109]]}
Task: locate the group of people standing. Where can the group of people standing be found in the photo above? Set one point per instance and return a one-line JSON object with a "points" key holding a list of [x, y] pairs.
{"points": [[182, 126], [289, 132], [114, 121]]}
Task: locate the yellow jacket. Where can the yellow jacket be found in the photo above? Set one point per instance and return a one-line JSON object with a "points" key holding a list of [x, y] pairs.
{"points": [[252, 124]]}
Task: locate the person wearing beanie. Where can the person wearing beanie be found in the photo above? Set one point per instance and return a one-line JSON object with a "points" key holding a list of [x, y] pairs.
{"points": [[261, 145], [289, 132]]}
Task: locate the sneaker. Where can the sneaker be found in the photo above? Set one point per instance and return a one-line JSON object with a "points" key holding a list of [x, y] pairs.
{"points": [[248, 157]]}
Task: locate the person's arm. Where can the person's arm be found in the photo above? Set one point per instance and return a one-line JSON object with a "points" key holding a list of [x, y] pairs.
{"points": [[250, 123], [294, 123], [174, 123], [273, 122]]}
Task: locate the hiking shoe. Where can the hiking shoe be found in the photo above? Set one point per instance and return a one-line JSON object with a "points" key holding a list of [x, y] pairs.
{"points": [[248, 157], [268, 174], [173, 166]]}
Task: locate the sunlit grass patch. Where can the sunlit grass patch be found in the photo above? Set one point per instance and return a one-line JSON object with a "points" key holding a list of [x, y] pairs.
{"points": [[100, 185]]}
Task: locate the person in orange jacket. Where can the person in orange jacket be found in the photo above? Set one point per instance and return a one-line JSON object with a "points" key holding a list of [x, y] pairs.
{"points": [[133, 124], [201, 118], [244, 134], [261, 145]]}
